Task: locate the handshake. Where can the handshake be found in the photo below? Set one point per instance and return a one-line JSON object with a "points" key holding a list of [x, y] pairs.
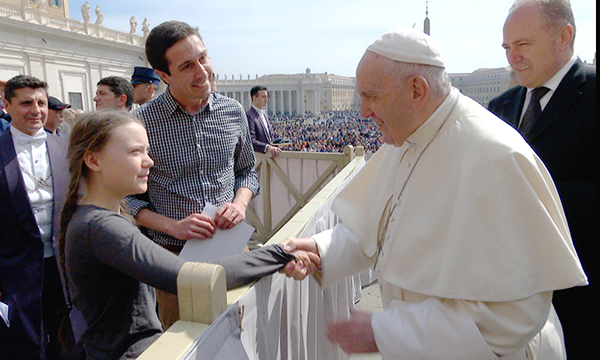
{"points": [[307, 262]]}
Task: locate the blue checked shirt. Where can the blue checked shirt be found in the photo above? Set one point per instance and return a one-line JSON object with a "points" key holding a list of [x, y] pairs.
{"points": [[198, 158]]}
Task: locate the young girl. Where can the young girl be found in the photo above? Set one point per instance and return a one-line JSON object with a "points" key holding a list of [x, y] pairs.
{"points": [[110, 266]]}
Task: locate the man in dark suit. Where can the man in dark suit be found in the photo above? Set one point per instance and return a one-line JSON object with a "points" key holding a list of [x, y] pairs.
{"points": [[258, 122], [539, 43], [33, 183]]}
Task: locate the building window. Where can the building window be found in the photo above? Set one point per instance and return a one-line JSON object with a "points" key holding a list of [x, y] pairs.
{"points": [[76, 100], [57, 3]]}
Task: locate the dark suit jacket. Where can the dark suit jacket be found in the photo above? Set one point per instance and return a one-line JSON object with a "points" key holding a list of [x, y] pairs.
{"points": [[565, 139], [4, 125], [22, 250], [258, 132]]}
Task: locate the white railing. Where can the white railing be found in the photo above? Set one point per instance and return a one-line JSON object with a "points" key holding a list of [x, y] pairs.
{"points": [[276, 318], [288, 182]]}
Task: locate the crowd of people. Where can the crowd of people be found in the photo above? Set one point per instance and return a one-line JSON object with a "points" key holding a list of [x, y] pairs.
{"points": [[328, 132]]}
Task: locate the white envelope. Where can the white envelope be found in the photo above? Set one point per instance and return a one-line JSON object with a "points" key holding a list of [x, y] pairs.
{"points": [[223, 243]]}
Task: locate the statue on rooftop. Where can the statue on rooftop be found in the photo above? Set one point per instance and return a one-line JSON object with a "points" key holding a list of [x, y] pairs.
{"points": [[99, 16], [145, 28], [85, 12], [132, 25]]}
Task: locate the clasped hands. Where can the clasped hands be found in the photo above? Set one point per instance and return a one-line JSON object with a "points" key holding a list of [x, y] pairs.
{"points": [[308, 260]]}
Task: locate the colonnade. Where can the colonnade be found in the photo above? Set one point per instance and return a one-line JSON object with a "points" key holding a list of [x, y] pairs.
{"points": [[295, 93], [283, 101]]}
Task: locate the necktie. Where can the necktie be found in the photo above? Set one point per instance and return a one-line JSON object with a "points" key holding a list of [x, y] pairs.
{"points": [[534, 110]]}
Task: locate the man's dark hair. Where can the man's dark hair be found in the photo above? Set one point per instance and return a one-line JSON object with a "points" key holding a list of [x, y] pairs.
{"points": [[162, 37], [23, 81], [254, 91], [119, 86]]}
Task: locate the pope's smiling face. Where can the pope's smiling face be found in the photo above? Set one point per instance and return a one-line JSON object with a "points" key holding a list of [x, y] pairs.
{"points": [[384, 98]]}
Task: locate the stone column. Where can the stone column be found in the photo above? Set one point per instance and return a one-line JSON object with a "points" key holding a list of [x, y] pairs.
{"points": [[294, 101], [301, 98], [288, 101]]}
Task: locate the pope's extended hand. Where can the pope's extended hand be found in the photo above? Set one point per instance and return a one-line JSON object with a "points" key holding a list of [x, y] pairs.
{"points": [[307, 257], [354, 335]]}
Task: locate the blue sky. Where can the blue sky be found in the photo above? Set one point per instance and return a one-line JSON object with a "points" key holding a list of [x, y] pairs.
{"points": [[258, 37]]}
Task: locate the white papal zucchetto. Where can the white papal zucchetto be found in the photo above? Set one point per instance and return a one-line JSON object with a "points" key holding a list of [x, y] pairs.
{"points": [[409, 45]]}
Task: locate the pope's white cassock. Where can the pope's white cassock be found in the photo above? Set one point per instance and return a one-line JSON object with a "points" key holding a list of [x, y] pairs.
{"points": [[473, 241]]}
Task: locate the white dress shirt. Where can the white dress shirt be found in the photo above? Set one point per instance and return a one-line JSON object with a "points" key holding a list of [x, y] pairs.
{"points": [[34, 162], [551, 84]]}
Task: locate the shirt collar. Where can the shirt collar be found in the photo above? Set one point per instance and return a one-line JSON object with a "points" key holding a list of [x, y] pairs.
{"points": [[553, 83], [258, 110], [20, 138], [172, 105]]}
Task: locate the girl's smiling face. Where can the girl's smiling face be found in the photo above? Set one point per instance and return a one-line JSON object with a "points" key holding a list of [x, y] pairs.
{"points": [[121, 168]]}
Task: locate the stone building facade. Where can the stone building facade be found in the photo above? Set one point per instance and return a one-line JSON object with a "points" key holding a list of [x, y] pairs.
{"points": [[296, 93], [482, 85], [38, 38]]}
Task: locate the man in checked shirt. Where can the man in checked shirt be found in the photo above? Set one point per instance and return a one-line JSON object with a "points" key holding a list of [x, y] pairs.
{"points": [[201, 147]]}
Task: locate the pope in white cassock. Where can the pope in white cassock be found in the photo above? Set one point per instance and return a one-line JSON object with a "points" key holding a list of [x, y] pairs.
{"points": [[457, 214]]}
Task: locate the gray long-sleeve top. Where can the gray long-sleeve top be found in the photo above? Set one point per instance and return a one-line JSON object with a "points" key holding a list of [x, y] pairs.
{"points": [[113, 268]]}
